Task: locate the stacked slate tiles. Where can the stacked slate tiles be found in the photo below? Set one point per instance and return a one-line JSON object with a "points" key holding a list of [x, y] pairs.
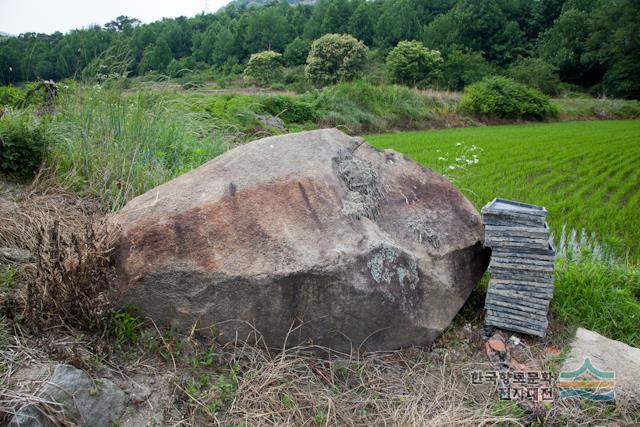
{"points": [[521, 285]]}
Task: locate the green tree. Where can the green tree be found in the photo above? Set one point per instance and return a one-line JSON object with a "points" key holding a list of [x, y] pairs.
{"points": [[334, 58], [313, 26], [141, 38], [267, 28], [217, 45], [156, 57], [411, 63], [336, 17], [178, 35], [398, 21], [480, 26], [263, 68], [534, 72], [296, 52], [122, 23], [463, 67], [614, 43], [10, 51], [565, 46], [544, 13], [362, 22]]}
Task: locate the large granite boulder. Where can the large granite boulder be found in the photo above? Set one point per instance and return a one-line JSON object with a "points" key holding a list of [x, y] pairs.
{"points": [[315, 231]]}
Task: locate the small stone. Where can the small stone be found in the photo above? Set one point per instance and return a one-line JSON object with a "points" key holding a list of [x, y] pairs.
{"points": [[140, 393], [272, 122], [83, 400], [497, 345]]}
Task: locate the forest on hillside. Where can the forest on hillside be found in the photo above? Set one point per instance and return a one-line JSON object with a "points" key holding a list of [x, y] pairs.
{"points": [[589, 44]]}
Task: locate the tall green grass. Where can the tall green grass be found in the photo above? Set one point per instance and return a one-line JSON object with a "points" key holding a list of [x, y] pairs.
{"points": [[117, 146], [600, 295]]}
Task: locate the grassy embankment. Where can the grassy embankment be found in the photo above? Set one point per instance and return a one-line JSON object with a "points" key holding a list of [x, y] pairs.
{"points": [[117, 144], [586, 174]]}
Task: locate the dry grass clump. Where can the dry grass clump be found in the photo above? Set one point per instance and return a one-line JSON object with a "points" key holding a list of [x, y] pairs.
{"points": [[585, 413], [67, 282], [298, 388], [25, 211], [72, 277], [313, 386]]}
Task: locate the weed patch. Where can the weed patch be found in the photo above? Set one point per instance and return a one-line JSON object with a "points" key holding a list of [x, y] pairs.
{"points": [[359, 106], [124, 327], [117, 146]]}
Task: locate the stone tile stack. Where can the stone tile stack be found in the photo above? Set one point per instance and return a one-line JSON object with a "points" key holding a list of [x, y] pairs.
{"points": [[521, 285]]}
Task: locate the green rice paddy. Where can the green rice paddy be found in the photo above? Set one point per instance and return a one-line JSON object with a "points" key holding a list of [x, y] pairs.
{"points": [[587, 174]]}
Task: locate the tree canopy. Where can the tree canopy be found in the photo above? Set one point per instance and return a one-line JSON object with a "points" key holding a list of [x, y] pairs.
{"points": [[593, 44]]}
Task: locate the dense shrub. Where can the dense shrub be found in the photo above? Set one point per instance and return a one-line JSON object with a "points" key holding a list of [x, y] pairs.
{"points": [[289, 110], [505, 98], [335, 58], [263, 68], [536, 73], [23, 141], [295, 80], [413, 64], [18, 97]]}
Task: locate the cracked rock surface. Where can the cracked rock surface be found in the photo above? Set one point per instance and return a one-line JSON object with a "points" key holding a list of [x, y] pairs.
{"points": [[357, 247]]}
